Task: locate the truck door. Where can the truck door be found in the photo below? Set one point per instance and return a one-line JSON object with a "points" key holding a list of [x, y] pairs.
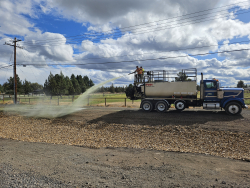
{"points": [[210, 90]]}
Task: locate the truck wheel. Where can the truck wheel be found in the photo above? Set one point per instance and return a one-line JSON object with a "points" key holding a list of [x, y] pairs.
{"points": [[233, 108], [147, 106], [161, 106], [180, 105]]}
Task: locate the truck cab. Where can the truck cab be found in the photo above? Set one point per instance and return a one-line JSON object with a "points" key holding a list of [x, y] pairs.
{"points": [[215, 97]]}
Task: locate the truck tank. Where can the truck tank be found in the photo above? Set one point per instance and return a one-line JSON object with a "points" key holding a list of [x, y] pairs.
{"points": [[169, 89], [164, 84]]}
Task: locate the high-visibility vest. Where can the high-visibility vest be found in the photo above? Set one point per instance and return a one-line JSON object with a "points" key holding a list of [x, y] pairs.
{"points": [[140, 71]]}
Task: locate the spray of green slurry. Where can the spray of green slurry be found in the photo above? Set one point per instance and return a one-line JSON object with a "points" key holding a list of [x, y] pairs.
{"points": [[56, 111]]}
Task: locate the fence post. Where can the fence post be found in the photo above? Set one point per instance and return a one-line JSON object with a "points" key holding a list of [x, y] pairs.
{"points": [[29, 100], [73, 98], [88, 100], [3, 98], [58, 101], [105, 101], [125, 101]]}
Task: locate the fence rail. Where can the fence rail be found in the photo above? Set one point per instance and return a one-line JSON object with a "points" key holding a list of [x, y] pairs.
{"points": [[58, 99]]}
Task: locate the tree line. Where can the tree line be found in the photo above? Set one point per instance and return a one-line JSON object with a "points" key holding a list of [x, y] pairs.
{"points": [[241, 84], [57, 84], [63, 85], [22, 86], [112, 89]]}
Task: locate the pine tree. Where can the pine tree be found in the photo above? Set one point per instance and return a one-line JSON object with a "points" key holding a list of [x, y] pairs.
{"points": [[9, 85], [27, 87], [91, 83], [102, 89], [60, 84], [81, 82], [240, 84], [46, 87], [112, 88], [76, 85], [181, 77], [116, 89], [69, 86], [1, 89], [36, 86]]}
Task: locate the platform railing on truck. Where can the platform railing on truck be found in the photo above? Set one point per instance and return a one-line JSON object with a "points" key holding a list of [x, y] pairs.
{"points": [[166, 76]]}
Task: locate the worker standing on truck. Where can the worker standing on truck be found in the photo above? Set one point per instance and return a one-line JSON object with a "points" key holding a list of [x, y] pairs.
{"points": [[142, 73], [137, 76]]}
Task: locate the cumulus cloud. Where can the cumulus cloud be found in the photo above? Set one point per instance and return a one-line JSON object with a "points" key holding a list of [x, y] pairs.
{"points": [[167, 34]]}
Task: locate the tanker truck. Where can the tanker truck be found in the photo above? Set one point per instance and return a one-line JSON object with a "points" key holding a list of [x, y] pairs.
{"points": [[158, 90]]}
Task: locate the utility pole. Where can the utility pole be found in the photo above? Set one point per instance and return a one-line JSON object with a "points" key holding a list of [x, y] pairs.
{"points": [[14, 67]]}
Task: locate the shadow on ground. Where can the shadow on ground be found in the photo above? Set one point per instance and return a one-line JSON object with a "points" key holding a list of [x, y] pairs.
{"points": [[172, 117], [212, 120]]}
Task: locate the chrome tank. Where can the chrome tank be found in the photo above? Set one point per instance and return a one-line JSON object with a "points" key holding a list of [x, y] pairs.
{"points": [[211, 105]]}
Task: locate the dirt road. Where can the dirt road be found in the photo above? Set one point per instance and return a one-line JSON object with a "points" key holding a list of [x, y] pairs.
{"points": [[48, 165], [56, 165]]}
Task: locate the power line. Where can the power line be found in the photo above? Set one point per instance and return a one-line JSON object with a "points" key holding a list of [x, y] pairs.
{"points": [[235, 4], [183, 49], [200, 20], [151, 59], [5, 66]]}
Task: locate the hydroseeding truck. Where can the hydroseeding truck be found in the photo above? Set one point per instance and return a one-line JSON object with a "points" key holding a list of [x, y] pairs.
{"points": [[159, 89]]}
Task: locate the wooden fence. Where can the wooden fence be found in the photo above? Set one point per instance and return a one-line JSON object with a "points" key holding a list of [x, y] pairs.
{"points": [[58, 98]]}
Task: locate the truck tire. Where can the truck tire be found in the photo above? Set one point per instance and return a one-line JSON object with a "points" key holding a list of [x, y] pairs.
{"points": [[161, 106], [179, 105], [233, 108], [147, 106]]}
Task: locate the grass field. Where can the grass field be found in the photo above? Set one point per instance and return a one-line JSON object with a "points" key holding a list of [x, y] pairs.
{"points": [[110, 98], [247, 95], [93, 99]]}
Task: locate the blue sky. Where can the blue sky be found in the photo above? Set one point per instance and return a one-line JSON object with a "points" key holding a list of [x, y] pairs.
{"points": [[71, 32]]}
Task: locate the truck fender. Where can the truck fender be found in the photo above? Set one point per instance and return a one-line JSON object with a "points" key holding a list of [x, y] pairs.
{"points": [[238, 100], [167, 102]]}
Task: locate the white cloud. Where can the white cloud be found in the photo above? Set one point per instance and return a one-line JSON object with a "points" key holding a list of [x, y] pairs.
{"points": [[139, 44]]}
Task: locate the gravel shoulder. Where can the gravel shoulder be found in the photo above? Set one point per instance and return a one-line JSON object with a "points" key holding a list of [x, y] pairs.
{"points": [[126, 147]]}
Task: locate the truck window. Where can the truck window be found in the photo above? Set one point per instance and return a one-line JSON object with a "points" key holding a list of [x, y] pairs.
{"points": [[211, 85]]}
